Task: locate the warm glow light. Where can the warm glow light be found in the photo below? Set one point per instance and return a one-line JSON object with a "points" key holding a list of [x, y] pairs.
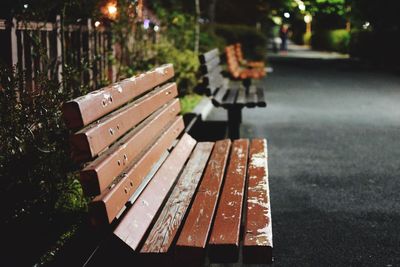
{"points": [[307, 18], [97, 24], [110, 10], [286, 15]]}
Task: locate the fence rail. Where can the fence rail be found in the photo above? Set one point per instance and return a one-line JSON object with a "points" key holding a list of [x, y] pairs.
{"points": [[52, 47]]}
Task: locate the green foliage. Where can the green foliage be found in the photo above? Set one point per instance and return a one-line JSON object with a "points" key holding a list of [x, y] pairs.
{"points": [[209, 40], [253, 42], [185, 63], [337, 7], [332, 40], [189, 102]]}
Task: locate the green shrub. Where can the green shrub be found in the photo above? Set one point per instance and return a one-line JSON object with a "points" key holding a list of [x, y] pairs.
{"points": [[331, 40], [253, 42], [185, 63], [209, 40]]}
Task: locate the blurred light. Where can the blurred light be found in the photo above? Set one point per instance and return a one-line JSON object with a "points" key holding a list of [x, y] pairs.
{"points": [[286, 15], [307, 18], [146, 24], [97, 24], [366, 25], [302, 6], [277, 20], [156, 28], [26, 5], [112, 9]]}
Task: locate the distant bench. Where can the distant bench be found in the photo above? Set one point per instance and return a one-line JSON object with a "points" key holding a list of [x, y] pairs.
{"points": [[163, 196], [224, 94]]}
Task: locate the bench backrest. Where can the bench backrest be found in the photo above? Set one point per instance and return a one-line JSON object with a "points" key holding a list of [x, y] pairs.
{"points": [[121, 132], [232, 61], [210, 68], [239, 52]]}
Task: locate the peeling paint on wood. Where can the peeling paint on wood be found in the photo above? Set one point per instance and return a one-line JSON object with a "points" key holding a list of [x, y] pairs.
{"points": [[224, 239], [257, 246], [133, 227], [165, 229], [192, 241]]}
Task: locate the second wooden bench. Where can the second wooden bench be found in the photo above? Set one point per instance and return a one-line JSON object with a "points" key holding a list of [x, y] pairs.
{"points": [[224, 94]]}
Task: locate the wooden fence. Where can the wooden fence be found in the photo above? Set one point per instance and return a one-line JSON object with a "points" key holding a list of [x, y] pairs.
{"points": [[57, 49]]}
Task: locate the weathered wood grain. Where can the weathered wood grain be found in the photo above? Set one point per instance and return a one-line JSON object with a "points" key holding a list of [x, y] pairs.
{"points": [[257, 244], [88, 108], [192, 240], [225, 234], [99, 174], [104, 208], [135, 223], [88, 142], [165, 229]]}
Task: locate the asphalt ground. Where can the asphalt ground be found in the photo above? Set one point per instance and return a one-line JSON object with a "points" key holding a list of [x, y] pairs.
{"points": [[333, 130]]}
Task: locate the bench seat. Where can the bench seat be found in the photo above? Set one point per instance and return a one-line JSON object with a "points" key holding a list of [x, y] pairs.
{"points": [[156, 192]]}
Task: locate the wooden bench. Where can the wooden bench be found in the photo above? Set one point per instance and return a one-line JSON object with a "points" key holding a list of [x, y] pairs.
{"points": [[244, 62], [223, 94], [161, 195], [237, 72]]}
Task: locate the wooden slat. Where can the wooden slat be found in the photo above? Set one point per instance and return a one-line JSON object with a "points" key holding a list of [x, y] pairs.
{"points": [[91, 140], [192, 241], [260, 98], [135, 223], [225, 235], [231, 97], [165, 229], [209, 66], [251, 97], [241, 99], [209, 55], [86, 109], [99, 174], [219, 97], [106, 206], [257, 245]]}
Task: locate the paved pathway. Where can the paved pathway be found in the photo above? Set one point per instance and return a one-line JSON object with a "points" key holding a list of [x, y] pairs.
{"points": [[334, 142]]}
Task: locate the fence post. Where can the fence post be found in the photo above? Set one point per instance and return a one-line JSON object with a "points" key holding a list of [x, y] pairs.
{"points": [[90, 50], [59, 52], [14, 44]]}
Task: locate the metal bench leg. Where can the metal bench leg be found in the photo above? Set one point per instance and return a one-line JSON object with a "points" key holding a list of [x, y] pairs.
{"points": [[234, 121], [246, 83]]}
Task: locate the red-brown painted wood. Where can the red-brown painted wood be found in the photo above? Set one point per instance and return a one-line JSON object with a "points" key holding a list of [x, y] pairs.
{"points": [[257, 244], [105, 207], [99, 174], [225, 234], [165, 229], [104, 132], [135, 223], [88, 108], [192, 241]]}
